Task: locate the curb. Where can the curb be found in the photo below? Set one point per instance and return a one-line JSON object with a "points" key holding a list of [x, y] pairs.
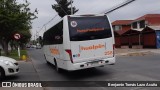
{"points": [[123, 54]]}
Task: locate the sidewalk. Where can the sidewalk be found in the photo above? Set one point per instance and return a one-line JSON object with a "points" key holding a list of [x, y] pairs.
{"points": [[132, 52]]}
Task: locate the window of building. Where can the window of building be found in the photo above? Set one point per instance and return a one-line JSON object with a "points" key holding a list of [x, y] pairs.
{"points": [[142, 24], [138, 25], [118, 27], [134, 25]]}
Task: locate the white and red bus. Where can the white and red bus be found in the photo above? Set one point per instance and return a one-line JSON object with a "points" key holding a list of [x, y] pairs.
{"points": [[79, 42]]}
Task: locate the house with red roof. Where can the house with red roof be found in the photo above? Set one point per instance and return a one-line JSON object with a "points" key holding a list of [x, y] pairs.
{"points": [[149, 26], [141, 32], [146, 20], [120, 27]]}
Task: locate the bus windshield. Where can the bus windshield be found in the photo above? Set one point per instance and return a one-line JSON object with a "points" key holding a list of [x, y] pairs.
{"points": [[89, 28]]}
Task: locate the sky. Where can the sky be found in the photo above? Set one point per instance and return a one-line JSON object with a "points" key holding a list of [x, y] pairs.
{"points": [[131, 11]]}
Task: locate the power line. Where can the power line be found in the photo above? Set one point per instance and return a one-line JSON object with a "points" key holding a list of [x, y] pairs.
{"points": [[52, 18], [44, 25], [119, 6], [108, 11], [63, 9]]}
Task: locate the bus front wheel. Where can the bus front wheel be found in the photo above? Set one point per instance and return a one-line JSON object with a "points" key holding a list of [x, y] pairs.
{"points": [[56, 66]]}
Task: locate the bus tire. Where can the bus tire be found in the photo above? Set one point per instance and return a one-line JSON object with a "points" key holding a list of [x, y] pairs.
{"points": [[56, 66], [45, 57], [2, 73]]}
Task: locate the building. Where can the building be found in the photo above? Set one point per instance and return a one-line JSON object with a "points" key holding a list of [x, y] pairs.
{"points": [[130, 39], [151, 37], [117, 39], [141, 32], [120, 27], [146, 20], [149, 27]]}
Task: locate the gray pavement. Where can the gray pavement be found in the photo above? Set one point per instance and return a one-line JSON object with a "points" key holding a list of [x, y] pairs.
{"points": [[127, 68]]}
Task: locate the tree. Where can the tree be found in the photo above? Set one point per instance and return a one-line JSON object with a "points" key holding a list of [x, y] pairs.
{"points": [[62, 8], [14, 18], [25, 38]]}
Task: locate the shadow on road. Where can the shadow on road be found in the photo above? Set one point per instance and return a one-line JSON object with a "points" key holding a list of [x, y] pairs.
{"points": [[84, 73], [11, 78]]}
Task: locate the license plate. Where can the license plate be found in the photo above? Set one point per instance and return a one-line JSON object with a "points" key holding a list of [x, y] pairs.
{"points": [[95, 62]]}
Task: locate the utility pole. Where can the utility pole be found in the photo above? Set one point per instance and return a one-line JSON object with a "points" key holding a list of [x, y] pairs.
{"points": [[71, 8], [34, 39], [36, 34]]}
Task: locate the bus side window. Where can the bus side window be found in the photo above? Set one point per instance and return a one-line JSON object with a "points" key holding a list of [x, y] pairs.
{"points": [[54, 35]]}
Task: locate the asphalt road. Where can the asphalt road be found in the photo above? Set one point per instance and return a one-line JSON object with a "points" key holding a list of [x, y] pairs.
{"points": [[127, 68]]}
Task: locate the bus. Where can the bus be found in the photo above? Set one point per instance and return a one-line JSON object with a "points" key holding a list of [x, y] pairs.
{"points": [[80, 42]]}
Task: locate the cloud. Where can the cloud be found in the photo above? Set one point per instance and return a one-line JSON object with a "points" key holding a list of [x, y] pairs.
{"points": [[136, 9], [95, 6], [132, 11]]}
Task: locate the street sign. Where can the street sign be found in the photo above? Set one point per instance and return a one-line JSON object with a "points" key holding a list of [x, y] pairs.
{"points": [[17, 36]]}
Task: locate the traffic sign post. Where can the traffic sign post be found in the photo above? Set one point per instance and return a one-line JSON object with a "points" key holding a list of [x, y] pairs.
{"points": [[17, 36], [19, 53]]}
